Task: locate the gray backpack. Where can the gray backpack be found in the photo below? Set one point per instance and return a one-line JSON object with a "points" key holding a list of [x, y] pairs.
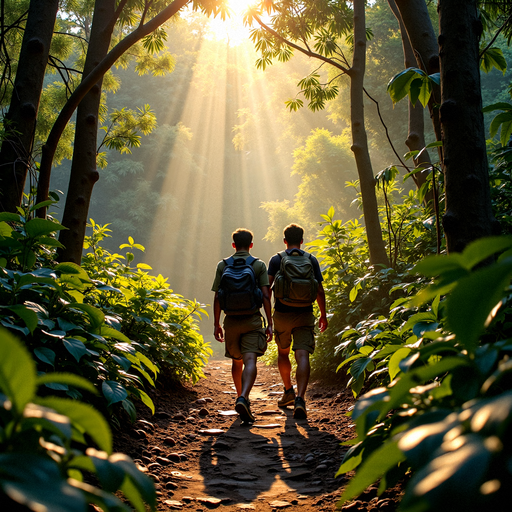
{"points": [[295, 284]]}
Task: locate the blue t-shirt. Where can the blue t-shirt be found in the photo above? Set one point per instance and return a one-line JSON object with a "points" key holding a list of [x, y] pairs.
{"points": [[273, 267]]}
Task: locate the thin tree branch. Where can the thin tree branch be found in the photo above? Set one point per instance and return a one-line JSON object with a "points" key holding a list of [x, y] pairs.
{"points": [[507, 21], [299, 48], [386, 130]]}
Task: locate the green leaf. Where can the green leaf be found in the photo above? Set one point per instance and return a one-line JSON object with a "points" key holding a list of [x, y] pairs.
{"points": [[84, 417], [42, 204], [143, 483], [96, 316], [45, 354], [146, 400], [26, 314], [399, 86], [40, 227], [69, 267], [110, 332], [394, 362], [110, 475], [75, 347], [483, 248], [30, 480], [376, 466], [68, 379], [17, 371], [113, 391], [473, 299], [493, 58], [9, 217]]}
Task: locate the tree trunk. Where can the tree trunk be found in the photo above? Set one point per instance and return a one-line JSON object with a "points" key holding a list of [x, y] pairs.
{"points": [[423, 40], [83, 168], [20, 121], [468, 207], [416, 127], [85, 86], [360, 141]]}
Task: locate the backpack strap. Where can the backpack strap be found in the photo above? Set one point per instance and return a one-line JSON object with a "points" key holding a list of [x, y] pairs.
{"points": [[250, 260]]}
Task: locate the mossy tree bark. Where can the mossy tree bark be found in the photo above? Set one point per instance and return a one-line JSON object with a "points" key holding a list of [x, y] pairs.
{"points": [[20, 121], [468, 213], [83, 168], [367, 181]]}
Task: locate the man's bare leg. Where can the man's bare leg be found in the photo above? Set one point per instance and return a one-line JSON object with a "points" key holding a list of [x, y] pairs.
{"points": [[285, 367], [236, 372], [249, 373], [303, 371]]}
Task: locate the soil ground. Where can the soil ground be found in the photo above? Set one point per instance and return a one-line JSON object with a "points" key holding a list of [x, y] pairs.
{"points": [[201, 457]]}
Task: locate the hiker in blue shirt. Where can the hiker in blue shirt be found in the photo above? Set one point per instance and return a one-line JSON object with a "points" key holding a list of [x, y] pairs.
{"points": [[241, 287], [296, 282]]}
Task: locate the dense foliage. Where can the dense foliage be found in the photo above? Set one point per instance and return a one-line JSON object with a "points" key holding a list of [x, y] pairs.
{"points": [[115, 325], [50, 446]]}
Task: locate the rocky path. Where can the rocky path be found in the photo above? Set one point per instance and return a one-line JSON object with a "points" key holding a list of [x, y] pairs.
{"points": [[202, 458]]}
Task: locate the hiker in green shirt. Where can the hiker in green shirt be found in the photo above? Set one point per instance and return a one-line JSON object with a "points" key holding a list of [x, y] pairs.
{"points": [[296, 282], [241, 287]]}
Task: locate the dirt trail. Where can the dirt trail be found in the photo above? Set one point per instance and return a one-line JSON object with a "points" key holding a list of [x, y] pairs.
{"points": [[201, 457]]}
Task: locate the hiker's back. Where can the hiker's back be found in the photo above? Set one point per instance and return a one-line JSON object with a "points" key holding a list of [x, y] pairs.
{"points": [[295, 283], [239, 292]]}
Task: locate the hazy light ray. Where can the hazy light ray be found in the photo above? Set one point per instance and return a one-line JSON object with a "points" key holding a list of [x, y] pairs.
{"points": [[198, 218]]}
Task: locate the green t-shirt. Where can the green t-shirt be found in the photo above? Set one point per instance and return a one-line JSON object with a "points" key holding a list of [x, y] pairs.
{"points": [[260, 269]]}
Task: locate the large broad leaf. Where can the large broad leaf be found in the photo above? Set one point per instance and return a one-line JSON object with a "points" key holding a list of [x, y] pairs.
{"points": [[36, 482], [75, 347], [375, 467], [83, 417], [45, 354], [473, 299], [142, 482], [96, 316], [17, 371], [483, 248], [9, 217], [113, 391], [394, 362], [110, 332], [41, 227], [69, 379], [26, 314], [110, 475], [400, 85], [71, 268], [493, 58]]}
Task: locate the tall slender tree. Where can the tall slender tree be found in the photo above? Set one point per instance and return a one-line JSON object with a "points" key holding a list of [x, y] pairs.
{"points": [[468, 213], [20, 120], [300, 25]]}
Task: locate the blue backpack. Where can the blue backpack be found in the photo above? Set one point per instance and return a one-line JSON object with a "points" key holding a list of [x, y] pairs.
{"points": [[239, 293]]}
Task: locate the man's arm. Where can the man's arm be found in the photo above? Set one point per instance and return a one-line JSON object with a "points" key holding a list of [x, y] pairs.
{"points": [[217, 328], [320, 299], [268, 312], [270, 280]]}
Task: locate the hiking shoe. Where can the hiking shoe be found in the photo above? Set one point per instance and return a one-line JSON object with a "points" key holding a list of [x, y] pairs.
{"points": [[299, 410], [288, 398], [243, 408]]}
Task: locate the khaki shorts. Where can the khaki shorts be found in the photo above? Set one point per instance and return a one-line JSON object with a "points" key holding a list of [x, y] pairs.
{"points": [[297, 326], [244, 334]]}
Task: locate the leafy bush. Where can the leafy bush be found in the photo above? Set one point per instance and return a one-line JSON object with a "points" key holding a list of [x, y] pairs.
{"points": [[446, 414], [114, 325], [357, 294], [45, 459]]}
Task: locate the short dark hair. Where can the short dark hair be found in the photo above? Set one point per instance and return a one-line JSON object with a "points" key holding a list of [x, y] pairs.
{"points": [[242, 238], [293, 234]]}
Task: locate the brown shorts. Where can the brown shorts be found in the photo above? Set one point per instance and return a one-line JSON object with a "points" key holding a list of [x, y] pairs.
{"points": [[243, 334], [297, 326]]}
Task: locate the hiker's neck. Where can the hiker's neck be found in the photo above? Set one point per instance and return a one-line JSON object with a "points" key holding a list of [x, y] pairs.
{"points": [[292, 246]]}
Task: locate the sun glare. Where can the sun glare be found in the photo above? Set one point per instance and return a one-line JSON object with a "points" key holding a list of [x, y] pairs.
{"points": [[232, 29]]}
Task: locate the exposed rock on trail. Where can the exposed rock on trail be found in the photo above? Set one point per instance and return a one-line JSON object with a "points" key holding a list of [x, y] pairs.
{"points": [[201, 457]]}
